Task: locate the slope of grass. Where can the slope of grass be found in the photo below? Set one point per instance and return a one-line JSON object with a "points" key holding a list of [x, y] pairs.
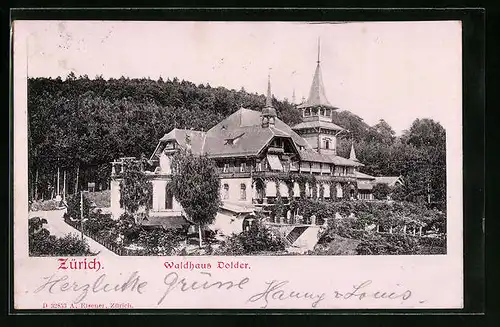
{"points": [[101, 199]]}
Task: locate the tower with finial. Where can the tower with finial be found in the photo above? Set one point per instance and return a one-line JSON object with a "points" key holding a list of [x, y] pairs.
{"points": [[352, 155], [268, 116], [317, 112]]}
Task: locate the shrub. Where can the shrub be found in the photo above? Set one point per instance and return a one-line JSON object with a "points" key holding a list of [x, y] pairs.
{"points": [[74, 206], [258, 238], [41, 243], [72, 244], [381, 191], [127, 227], [337, 246], [433, 245], [159, 241], [388, 244], [233, 245], [44, 205], [135, 188]]}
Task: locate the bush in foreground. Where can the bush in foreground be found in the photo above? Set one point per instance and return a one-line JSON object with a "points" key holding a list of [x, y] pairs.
{"points": [[41, 243], [388, 244], [257, 239], [159, 241]]}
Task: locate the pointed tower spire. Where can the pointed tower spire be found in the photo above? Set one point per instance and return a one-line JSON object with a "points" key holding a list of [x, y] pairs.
{"points": [[352, 156], [293, 96], [269, 98], [319, 51], [317, 96], [268, 116]]}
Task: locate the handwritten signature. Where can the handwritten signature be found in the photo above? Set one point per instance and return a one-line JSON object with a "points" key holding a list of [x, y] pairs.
{"points": [[274, 290], [54, 284]]}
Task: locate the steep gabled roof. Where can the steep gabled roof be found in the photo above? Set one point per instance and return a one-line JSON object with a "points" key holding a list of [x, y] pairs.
{"points": [[389, 180], [317, 96], [249, 137], [196, 139]]}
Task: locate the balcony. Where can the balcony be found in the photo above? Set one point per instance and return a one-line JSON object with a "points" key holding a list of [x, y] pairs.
{"points": [[275, 150]]}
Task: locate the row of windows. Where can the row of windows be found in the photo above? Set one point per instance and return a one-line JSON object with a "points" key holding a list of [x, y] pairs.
{"points": [[341, 171], [287, 165], [243, 191], [314, 112], [365, 196]]}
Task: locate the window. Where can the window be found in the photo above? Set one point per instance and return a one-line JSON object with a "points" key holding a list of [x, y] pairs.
{"points": [[307, 112], [225, 195], [169, 146], [226, 168], [339, 191], [243, 167], [327, 143], [259, 166], [243, 192], [169, 199], [327, 112]]}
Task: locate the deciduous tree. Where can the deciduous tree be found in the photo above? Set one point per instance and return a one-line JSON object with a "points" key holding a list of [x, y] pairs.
{"points": [[196, 185]]}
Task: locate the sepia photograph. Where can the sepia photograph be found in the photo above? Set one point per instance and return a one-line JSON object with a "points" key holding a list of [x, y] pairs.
{"points": [[164, 164], [330, 142]]}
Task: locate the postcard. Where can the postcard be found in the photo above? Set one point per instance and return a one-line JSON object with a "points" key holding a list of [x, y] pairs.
{"points": [[237, 165]]}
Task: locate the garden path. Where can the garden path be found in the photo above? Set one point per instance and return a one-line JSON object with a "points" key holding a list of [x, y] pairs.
{"points": [[57, 227]]}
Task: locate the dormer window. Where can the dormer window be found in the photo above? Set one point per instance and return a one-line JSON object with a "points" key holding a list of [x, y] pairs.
{"points": [[231, 141], [328, 112], [226, 168], [169, 146], [243, 167], [327, 143]]}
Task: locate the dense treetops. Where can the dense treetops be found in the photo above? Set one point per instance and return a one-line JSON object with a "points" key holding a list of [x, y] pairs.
{"points": [[90, 122]]}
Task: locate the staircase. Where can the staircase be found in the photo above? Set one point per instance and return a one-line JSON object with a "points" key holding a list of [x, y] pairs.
{"points": [[295, 234]]}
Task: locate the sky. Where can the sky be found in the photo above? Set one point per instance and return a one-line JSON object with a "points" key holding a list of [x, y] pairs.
{"points": [[396, 71]]}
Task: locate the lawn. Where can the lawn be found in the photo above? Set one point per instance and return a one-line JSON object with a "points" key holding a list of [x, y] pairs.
{"points": [[101, 199], [337, 246], [45, 205]]}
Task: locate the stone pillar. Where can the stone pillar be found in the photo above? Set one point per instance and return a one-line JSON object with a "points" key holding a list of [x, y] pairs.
{"points": [[159, 195], [156, 205], [116, 211], [165, 164], [313, 220]]}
